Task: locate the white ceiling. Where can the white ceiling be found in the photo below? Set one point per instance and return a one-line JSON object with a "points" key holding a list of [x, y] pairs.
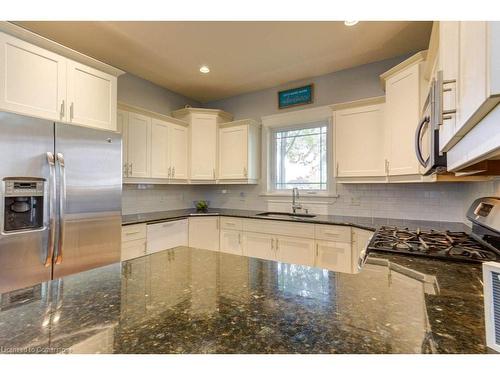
{"points": [[242, 56]]}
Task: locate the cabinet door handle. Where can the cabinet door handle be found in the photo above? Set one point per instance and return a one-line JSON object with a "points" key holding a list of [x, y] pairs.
{"points": [[62, 109], [317, 249], [272, 243], [169, 171], [131, 164], [71, 111], [125, 169], [277, 244], [239, 238], [337, 170], [214, 173], [245, 172], [173, 172]]}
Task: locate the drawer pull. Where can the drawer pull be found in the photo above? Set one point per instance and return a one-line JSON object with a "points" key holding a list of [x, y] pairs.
{"points": [[232, 224], [130, 233], [331, 233]]}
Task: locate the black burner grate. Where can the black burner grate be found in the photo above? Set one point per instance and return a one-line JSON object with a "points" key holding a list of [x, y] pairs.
{"points": [[431, 243]]}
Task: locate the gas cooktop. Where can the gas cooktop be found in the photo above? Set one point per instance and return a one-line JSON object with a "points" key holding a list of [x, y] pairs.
{"points": [[457, 246]]}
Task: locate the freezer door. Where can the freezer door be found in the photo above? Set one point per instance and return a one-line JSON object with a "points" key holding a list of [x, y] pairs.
{"points": [[24, 143], [89, 185]]}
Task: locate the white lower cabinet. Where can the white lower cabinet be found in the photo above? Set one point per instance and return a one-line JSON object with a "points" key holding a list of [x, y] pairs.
{"points": [[133, 241], [259, 245], [334, 256], [231, 242], [295, 250], [167, 235], [315, 245], [204, 232]]}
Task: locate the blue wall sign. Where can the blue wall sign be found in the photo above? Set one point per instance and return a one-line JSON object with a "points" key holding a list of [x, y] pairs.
{"points": [[297, 96]]}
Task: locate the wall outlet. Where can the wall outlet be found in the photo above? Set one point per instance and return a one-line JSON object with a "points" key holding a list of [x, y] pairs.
{"points": [[355, 201]]}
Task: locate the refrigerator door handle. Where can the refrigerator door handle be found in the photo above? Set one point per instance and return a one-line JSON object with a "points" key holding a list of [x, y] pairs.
{"points": [[52, 214], [62, 204]]}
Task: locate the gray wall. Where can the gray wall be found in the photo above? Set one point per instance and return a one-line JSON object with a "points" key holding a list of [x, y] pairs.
{"points": [[338, 87], [145, 94]]}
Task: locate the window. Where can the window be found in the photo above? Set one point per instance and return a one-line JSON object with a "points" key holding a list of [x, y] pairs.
{"points": [[300, 157]]}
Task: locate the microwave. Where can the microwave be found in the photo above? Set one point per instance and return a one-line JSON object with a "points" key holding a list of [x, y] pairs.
{"points": [[427, 133]]}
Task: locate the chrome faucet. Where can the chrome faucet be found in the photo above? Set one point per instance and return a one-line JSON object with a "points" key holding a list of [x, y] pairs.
{"points": [[295, 195]]}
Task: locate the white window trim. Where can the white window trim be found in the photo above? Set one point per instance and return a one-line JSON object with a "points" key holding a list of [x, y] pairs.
{"points": [[290, 119]]}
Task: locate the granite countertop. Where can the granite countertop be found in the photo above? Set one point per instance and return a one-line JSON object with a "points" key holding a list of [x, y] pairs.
{"points": [[368, 223], [187, 300]]}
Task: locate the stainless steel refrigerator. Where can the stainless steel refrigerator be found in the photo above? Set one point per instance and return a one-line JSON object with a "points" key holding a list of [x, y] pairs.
{"points": [[60, 200]]}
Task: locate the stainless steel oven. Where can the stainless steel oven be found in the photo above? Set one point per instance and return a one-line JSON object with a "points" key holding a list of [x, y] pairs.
{"points": [[427, 133]]}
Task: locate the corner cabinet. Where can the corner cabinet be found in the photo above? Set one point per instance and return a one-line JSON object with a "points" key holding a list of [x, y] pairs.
{"points": [[203, 141], [239, 152], [39, 83], [359, 140]]}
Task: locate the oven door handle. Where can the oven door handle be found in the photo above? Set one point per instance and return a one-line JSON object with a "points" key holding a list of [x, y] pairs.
{"points": [[418, 136]]}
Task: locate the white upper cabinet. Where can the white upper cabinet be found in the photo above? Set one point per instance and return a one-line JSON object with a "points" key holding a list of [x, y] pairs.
{"points": [[478, 72], [239, 151], [402, 113], [139, 145], [359, 141], [39, 83], [32, 80], [179, 152], [449, 39], [203, 141], [91, 96], [203, 147], [160, 150], [470, 59], [154, 148], [122, 127]]}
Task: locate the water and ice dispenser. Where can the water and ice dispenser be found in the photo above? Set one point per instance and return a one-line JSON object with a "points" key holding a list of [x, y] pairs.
{"points": [[23, 204]]}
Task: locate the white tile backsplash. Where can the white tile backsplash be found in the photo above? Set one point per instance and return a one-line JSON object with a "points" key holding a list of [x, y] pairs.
{"points": [[429, 201], [151, 198]]}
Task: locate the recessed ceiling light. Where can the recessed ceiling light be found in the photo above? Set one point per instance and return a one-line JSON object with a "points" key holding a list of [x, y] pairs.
{"points": [[205, 69], [350, 23]]}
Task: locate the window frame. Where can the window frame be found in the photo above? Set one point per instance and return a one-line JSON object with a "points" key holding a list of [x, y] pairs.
{"points": [[271, 162]]}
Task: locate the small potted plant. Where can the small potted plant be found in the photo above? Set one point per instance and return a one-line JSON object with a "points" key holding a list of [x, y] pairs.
{"points": [[202, 206]]}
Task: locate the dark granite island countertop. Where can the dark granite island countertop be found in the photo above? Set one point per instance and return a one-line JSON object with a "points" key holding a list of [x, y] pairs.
{"points": [[188, 300], [369, 223]]}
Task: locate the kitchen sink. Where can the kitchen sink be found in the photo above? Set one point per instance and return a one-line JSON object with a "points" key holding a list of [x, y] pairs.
{"points": [[291, 215]]}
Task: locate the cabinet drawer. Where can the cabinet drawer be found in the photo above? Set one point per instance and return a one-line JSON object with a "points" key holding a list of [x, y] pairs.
{"points": [[133, 232], [133, 249], [231, 223], [333, 233], [279, 228]]}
